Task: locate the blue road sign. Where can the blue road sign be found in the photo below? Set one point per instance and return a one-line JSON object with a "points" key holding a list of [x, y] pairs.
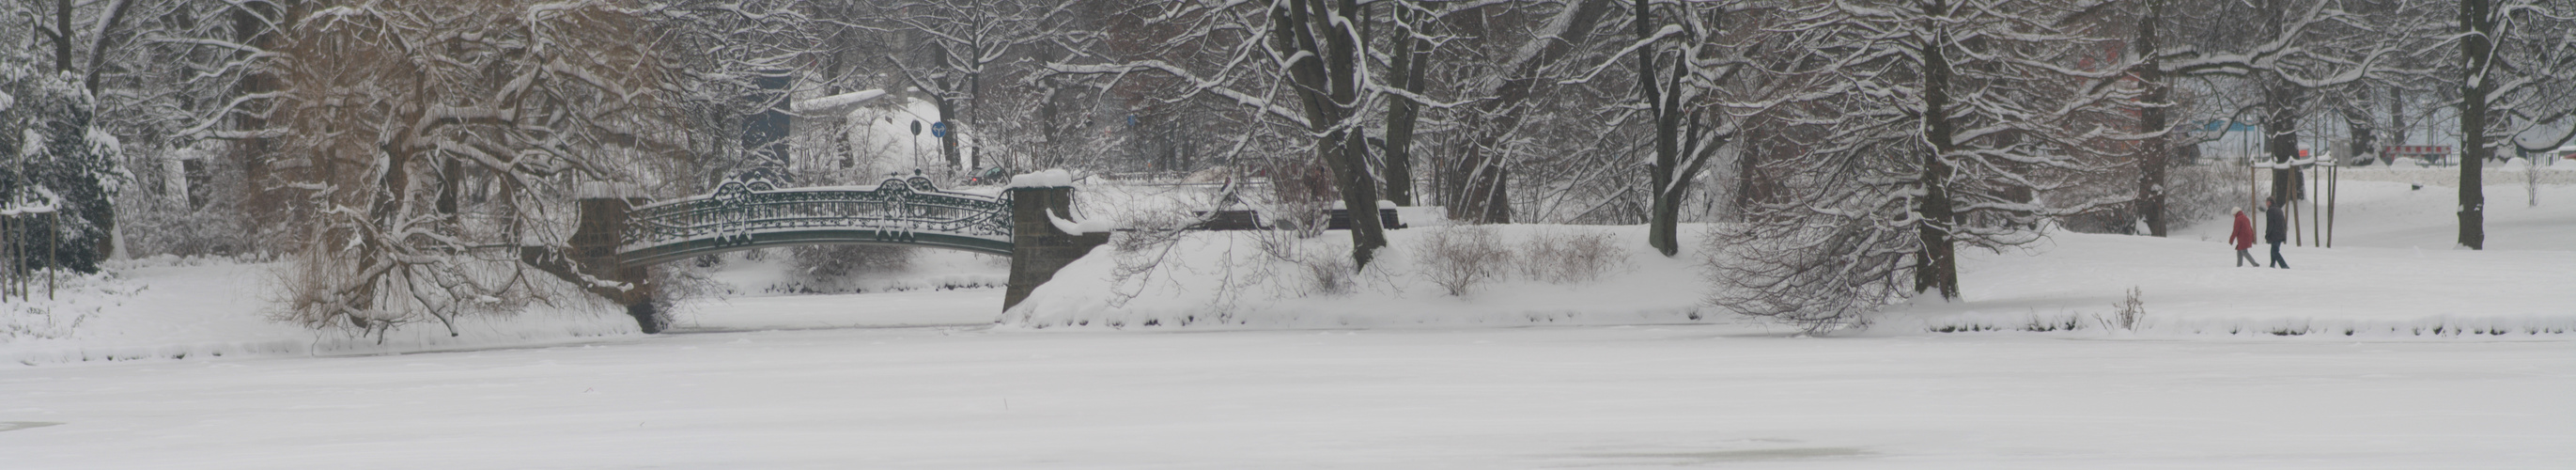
{"points": [[939, 129]]}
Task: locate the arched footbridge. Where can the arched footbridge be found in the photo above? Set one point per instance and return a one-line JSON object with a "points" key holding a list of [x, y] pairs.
{"points": [[619, 237]]}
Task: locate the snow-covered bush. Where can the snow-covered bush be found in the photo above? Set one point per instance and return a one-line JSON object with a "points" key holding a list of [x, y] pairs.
{"points": [[56, 304], [1303, 192], [1460, 258], [1570, 257], [61, 160], [177, 213], [2126, 314], [1314, 271], [1325, 272], [322, 292]]}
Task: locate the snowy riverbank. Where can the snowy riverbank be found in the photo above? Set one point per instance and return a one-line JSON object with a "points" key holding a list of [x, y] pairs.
{"points": [[2392, 273], [165, 310]]}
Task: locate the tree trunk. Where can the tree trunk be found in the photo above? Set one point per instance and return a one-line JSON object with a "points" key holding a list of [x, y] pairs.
{"points": [[2156, 150], [1680, 148], [63, 35], [966, 118], [2476, 56], [947, 138], [1660, 175], [266, 204], [1936, 267], [1327, 77], [451, 184], [1481, 192], [2281, 131], [1411, 58], [98, 48], [2364, 129], [2396, 120]]}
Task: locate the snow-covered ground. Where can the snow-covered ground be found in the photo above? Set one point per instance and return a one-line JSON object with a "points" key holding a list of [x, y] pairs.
{"points": [[2392, 214], [1603, 373], [2394, 270], [177, 309], [1230, 280]]}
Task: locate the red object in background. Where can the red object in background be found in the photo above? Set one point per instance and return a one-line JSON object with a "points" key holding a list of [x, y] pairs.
{"points": [[2303, 153]]}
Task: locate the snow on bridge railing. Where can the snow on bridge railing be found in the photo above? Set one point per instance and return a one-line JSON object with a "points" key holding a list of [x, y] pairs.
{"points": [[897, 210]]}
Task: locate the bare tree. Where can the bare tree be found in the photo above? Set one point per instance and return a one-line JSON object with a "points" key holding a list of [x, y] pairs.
{"points": [[1683, 143], [730, 59], [2294, 50], [393, 104], [1478, 180], [1408, 61], [1310, 50], [1933, 124], [2516, 73]]}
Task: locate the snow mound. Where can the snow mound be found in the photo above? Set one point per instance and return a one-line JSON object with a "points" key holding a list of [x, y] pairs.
{"points": [[165, 309], [1091, 225], [1049, 178], [1229, 280]]}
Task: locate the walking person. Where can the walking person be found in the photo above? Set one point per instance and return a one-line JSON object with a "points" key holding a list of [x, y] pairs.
{"points": [[2243, 238], [2275, 231]]}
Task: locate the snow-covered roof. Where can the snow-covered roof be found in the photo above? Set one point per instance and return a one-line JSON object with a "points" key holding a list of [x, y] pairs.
{"points": [[1051, 178], [835, 104]]}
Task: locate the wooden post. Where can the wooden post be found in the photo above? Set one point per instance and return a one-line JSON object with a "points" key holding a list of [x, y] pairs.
{"points": [[2298, 231], [2334, 181], [8, 260], [10, 286], [53, 251]]}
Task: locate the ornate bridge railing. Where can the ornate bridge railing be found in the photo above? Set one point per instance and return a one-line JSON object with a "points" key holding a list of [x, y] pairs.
{"points": [[753, 214]]}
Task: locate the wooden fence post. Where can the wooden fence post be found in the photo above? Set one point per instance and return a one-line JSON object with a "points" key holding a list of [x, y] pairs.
{"points": [[2332, 183]]}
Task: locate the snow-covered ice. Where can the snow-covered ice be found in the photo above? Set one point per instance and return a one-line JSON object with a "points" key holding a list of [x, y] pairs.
{"points": [[1609, 397]]}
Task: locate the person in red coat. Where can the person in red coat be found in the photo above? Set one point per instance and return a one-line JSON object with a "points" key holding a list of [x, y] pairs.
{"points": [[2243, 237]]}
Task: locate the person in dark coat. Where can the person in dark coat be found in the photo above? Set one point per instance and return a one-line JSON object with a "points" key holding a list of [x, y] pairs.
{"points": [[2243, 238], [2276, 229]]}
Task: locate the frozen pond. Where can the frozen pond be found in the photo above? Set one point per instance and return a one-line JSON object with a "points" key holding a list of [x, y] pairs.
{"points": [[846, 390]]}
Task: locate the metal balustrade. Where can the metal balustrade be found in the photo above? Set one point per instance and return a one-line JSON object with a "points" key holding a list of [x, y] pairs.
{"points": [[755, 213]]}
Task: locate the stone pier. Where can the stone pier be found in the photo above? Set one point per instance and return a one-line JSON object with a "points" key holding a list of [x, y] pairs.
{"points": [[1038, 249]]}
